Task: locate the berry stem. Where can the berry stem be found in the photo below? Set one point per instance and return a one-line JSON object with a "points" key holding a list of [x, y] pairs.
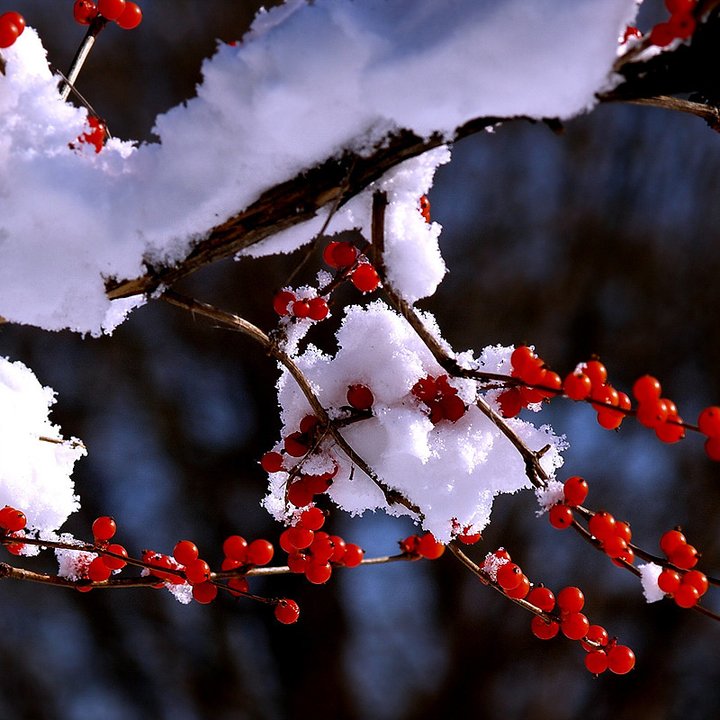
{"points": [[94, 29]]}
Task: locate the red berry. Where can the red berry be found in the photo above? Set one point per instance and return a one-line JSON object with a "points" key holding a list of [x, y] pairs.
{"points": [[646, 389], [596, 637], [509, 576], [712, 448], [614, 546], [522, 589], [697, 579], [662, 34], [299, 493], [104, 528], [425, 208], [96, 135], [365, 278], [98, 571], [560, 516], [318, 308], [544, 630], [11, 519], [281, 301], [453, 408], [574, 625], [684, 557], [130, 17], [300, 537], [238, 586], [297, 562], [84, 11], [596, 661], [577, 385], [623, 530], [313, 518], [542, 597], [14, 17], [111, 9], [197, 571], [429, 547], [339, 548], [318, 573], [596, 371], [686, 596], [570, 600], [296, 444], [271, 462], [575, 490], [709, 421], [204, 592], [300, 309], [185, 552], [510, 402], [621, 659], [343, 254], [287, 611], [115, 563], [469, 539], [602, 525], [9, 30], [260, 552], [360, 397], [671, 540], [671, 430], [353, 556], [235, 548], [669, 581]]}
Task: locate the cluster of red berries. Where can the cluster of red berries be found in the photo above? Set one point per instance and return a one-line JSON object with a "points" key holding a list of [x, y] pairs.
{"points": [[124, 13], [680, 26], [531, 371], [11, 26], [344, 256], [286, 303], [313, 552], [565, 616], [440, 397], [425, 546]]}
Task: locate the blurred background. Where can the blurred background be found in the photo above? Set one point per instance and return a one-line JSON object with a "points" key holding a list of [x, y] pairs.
{"points": [[603, 240]]}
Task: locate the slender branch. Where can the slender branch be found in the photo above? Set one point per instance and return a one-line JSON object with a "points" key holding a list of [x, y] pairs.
{"points": [[95, 28]]}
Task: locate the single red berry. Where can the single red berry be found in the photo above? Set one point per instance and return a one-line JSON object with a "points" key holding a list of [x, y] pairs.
{"points": [[671, 540], [12, 519], [230, 564], [260, 552], [520, 591], [309, 423], [318, 573], [596, 661], [621, 659], [574, 625], [299, 493], [509, 576], [111, 9], [521, 358], [313, 518], [339, 548], [469, 539], [342, 255], [130, 17], [98, 571], [712, 448], [596, 371], [185, 552], [424, 204], [647, 389], [602, 525], [425, 389], [318, 308], [697, 579], [287, 611], [204, 592], [300, 537], [686, 596], [104, 528], [300, 309], [652, 413], [297, 562], [296, 444], [570, 600], [614, 546], [238, 586], [360, 397], [544, 630], [281, 302], [453, 408], [662, 34], [542, 597], [197, 571], [9, 29], [235, 547], [115, 563], [623, 530], [365, 278], [271, 462], [597, 637], [353, 556], [510, 402], [709, 421], [669, 581], [609, 418], [577, 385], [684, 557], [575, 490], [84, 11], [631, 32], [560, 516], [683, 25], [429, 547]]}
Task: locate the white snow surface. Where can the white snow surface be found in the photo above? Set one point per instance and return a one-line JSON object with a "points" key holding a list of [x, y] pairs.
{"points": [[451, 471], [309, 81], [34, 473], [649, 574]]}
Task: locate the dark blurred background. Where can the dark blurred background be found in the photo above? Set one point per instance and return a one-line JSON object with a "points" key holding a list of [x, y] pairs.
{"points": [[602, 240]]}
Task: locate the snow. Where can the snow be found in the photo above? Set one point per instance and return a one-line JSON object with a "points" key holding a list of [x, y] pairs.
{"points": [[35, 461], [269, 108], [649, 574]]}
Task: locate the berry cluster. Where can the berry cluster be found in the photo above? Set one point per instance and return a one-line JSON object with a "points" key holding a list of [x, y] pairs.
{"points": [[97, 133], [560, 614], [680, 26], [123, 13], [11, 26], [313, 552], [286, 303], [344, 256], [440, 397], [538, 382]]}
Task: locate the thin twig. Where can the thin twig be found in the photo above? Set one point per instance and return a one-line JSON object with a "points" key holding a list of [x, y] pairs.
{"points": [[96, 27]]}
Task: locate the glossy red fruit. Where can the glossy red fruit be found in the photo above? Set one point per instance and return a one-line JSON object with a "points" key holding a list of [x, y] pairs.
{"points": [[313, 518], [104, 528], [543, 630], [574, 625], [570, 599], [509, 576], [429, 547], [577, 385], [353, 555], [130, 17], [318, 308], [560, 516], [260, 552], [111, 9], [287, 611], [282, 301], [271, 462], [596, 661], [115, 563], [235, 548], [602, 525], [360, 397], [11, 519], [84, 11], [709, 421], [365, 278], [197, 571], [185, 552], [98, 571], [542, 597], [621, 659], [10, 28], [318, 573], [575, 490], [204, 592]]}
